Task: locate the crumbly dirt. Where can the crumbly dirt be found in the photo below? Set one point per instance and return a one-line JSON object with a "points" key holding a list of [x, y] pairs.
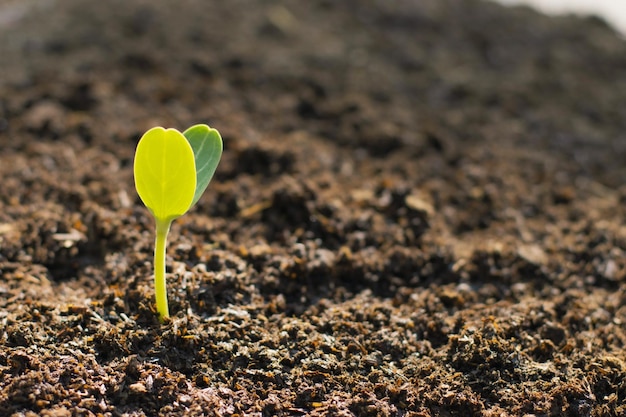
{"points": [[419, 211]]}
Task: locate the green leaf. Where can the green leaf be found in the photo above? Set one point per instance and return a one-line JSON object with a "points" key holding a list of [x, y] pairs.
{"points": [[206, 143], [165, 173]]}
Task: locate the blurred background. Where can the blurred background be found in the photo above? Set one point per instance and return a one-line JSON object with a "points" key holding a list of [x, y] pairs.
{"points": [[613, 11]]}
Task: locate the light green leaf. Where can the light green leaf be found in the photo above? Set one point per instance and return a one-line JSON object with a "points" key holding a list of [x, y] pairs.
{"points": [[165, 173], [206, 143]]}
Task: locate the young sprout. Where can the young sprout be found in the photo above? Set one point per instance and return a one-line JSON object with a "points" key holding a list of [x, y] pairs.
{"points": [[172, 170]]}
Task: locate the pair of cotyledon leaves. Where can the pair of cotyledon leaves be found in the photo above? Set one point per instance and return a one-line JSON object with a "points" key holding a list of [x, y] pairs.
{"points": [[172, 169]]}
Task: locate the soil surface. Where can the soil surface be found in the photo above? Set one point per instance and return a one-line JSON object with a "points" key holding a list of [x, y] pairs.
{"points": [[419, 210]]}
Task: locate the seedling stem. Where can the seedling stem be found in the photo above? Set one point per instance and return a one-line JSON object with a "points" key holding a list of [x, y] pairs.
{"points": [[160, 287]]}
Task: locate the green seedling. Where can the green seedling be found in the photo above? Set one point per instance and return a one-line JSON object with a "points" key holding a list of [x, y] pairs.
{"points": [[172, 170]]}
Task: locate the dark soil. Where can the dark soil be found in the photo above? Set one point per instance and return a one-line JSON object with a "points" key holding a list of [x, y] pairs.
{"points": [[419, 211]]}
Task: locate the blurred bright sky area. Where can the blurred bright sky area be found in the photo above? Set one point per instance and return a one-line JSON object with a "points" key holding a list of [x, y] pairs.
{"points": [[613, 11]]}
